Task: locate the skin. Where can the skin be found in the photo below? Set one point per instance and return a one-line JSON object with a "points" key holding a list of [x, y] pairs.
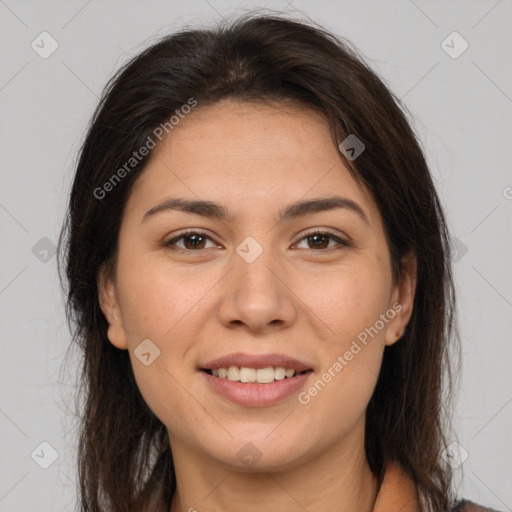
{"points": [[296, 299]]}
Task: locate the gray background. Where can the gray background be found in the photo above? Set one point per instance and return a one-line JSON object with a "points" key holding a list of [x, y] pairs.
{"points": [[462, 111]]}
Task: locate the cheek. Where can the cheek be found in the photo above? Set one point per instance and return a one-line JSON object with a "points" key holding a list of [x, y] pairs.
{"points": [[351, 304], [159, 301], [348, 300], [163, 307]]}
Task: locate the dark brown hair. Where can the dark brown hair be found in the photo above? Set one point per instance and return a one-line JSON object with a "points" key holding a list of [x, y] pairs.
{"points": [[124, 453]]}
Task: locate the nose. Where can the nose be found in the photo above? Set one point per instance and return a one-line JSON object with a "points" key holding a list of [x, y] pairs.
{"points": [[258, 295]]}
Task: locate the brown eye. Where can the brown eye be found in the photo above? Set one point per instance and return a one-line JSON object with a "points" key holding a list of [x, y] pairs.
{"points": [[320, 240], [192, 241]]}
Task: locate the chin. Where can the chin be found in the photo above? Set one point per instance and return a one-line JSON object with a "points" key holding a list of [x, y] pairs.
{"points": [[261, 452]]}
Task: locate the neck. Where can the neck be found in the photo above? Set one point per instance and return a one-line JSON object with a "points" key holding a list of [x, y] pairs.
{"points": [[337, 479]]}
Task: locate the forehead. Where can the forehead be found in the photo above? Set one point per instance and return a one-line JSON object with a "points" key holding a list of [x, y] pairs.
{"points": [[233, 129], [250, 153]]}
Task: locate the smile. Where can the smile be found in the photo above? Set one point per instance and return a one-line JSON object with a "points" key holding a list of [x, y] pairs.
{"points": [[250, 375], [254, 393]]}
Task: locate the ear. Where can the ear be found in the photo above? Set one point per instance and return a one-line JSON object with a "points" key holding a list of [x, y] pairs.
{"points": [[109, 304], [402, 299]]}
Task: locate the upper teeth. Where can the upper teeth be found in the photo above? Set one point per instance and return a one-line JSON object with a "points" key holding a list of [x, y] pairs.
{"points": [[260, 375]]}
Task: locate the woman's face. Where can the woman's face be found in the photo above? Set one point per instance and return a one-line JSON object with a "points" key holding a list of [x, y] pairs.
{"points": [[254, 289]]}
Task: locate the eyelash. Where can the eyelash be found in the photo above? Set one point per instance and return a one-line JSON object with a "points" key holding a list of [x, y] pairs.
{"points": [[169, 243]]}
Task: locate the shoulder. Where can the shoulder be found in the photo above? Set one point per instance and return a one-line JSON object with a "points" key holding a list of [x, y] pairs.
{"points": [[469, 506]]}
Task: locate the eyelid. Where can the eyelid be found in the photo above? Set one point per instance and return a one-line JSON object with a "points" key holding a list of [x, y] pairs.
{"points": [[187, 232], [340, 239]]}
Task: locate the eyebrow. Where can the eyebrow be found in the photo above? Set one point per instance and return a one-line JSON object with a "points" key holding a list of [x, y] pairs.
{"points": [[217, 211]]}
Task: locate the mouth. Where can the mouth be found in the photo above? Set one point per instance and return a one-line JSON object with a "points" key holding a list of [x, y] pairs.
{"points": [[256, 380], [260, 392], [248, 375]]}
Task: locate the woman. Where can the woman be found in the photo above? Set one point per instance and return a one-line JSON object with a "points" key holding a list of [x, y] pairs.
{"points": [[258, 274]]}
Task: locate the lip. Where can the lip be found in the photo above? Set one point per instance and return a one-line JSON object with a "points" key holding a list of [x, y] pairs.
{"points": [[257, 361], [255, 394]]}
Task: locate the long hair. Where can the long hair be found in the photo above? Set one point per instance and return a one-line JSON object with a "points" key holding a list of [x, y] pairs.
{"points": [[124, 456]]}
